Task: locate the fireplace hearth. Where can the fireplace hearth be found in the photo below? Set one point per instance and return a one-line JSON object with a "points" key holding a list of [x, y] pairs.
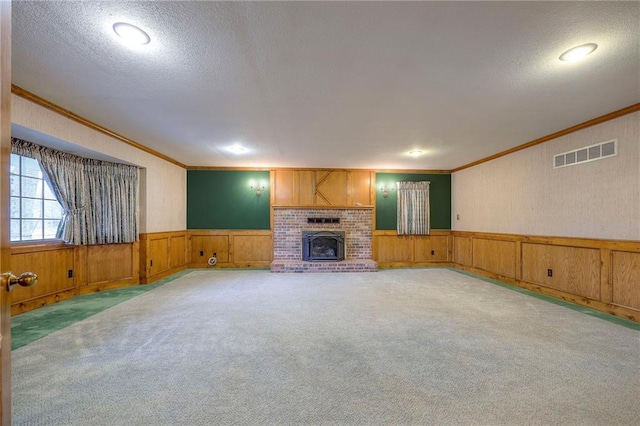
{"points": [[289, 223], [322, 246]]}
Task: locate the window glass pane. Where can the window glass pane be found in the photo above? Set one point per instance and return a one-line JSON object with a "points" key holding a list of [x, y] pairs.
{"points": [[31, 229], [31, 201], [50, 228], [15, 208], [31, 209], [15, 164], [52, 210], [31, 187], [48, 193], [15, 229], [30, 167], [15, 185]]}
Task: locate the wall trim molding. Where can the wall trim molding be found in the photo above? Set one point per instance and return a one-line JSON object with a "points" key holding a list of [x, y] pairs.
{"points": [[314, 169], [589, 123], [18, 91]]}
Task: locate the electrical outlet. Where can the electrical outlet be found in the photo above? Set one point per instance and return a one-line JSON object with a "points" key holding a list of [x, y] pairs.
{"points": [[457, 216], [201, 253], [151, 263], [70, 273], [549, 272], [433, 252]]}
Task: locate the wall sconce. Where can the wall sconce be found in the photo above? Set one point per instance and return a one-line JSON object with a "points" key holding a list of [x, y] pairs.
{"points": [[257, 187], [384, 188]]}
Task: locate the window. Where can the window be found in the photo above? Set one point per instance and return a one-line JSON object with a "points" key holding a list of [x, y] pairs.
{"points": [[35, 211], [413, 208]]}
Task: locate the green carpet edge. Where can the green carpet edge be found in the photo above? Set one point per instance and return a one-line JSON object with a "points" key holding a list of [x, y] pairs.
{"points": [[573, 306], [28, 327], [38, 323]]}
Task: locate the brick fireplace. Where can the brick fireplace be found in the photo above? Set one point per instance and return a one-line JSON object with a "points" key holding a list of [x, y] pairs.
{"points": [[289, 223]]}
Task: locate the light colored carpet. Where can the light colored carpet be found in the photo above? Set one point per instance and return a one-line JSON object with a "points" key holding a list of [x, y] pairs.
{"points": [[411, 346]]}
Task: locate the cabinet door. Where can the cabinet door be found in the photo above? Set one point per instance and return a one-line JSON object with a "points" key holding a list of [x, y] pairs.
{"points": [[331, 188], [285, 188], [359, 188]]}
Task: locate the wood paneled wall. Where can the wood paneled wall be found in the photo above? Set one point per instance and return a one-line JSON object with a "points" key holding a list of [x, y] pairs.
{"points": [[392, 250], [574, 270], [66, 271], [601, 274], [494, 255], [624, 289], [323, 187], [604, 275], [162, 254], [233, 249]]}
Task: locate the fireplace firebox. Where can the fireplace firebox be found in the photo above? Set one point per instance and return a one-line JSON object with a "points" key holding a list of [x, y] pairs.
{"points": [[323, 245]]}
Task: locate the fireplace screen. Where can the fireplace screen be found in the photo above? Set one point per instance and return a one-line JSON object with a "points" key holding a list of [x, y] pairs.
{"points": [[323, 245]]}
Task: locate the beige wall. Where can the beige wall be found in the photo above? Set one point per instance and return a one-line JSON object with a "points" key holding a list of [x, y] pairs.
{"points": [[522, 193], [163, 184]]}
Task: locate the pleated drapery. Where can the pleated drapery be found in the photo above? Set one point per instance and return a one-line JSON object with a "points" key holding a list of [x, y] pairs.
{"points": [[413, 208], [99, 198]]}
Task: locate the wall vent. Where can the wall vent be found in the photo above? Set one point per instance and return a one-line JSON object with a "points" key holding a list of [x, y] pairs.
{"points": [[588, 153]]}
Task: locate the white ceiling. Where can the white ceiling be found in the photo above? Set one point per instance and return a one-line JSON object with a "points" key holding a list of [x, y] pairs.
{"points": [[330, 84]]}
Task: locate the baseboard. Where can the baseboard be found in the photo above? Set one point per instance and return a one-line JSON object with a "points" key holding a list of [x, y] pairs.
{"points": [[609, 308], [231, 265], [40, 301], [391, 265], [160, 275]]}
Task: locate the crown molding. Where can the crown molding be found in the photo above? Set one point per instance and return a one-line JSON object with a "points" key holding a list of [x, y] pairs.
{"points": [[18, 91], [72, 116], [598, 120]]}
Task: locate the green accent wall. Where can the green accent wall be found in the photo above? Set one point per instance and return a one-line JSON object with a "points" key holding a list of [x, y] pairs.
{"points": [[439, 198], [223, 199]]}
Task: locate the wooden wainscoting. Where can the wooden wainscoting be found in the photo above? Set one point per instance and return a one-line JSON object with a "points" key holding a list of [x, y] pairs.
{"points": [[106, 266], [65, 271], [462, 253], [624, 288], [52, 263], [391, 250], [574, 270], [601, 274], [233, 248], [162, 254], [494, 255]]}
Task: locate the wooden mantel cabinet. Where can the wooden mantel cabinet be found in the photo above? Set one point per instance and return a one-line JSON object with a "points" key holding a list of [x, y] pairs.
{"points": [[323, 187]]}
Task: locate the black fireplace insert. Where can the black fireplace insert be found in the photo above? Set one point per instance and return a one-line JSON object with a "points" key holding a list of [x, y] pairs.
{"points": [[323, 245]]}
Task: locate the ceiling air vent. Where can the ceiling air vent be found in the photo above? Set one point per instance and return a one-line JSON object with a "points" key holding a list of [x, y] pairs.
{"points": [[588, 153]]}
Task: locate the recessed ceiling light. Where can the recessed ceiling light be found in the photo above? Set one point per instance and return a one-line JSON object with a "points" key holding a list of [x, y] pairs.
{"points": [[415, 153], [578, 52], [131, 33], [237, 149]]}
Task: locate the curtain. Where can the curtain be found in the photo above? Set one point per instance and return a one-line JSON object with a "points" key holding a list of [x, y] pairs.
{"points": [[413, 208], [99, 198]]}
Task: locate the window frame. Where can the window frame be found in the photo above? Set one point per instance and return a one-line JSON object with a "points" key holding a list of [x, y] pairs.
{"points": [[42, 199]]}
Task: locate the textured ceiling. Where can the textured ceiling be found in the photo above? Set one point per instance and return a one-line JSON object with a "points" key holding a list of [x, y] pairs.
{"points": [[331, 84]]}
